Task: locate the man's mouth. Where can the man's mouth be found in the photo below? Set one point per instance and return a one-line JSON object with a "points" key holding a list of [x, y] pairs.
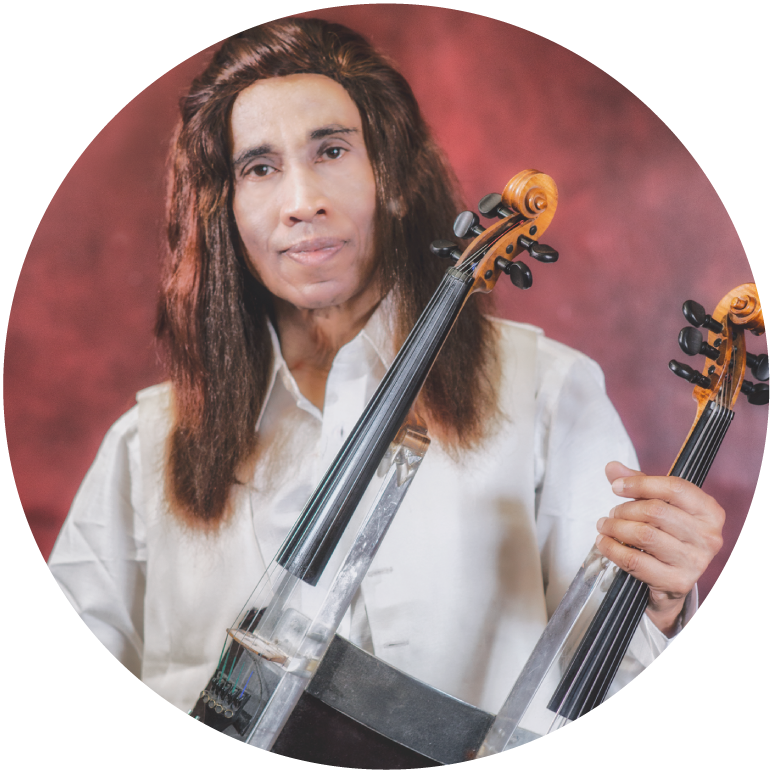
{"points": [[314, 250]]}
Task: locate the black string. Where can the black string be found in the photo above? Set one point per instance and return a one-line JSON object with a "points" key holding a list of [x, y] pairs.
{"points": [[596, 661]]}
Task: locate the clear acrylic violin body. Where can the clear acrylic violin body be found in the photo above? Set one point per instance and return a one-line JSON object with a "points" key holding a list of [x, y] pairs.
{"points": [[274, 649], [578, 655]]}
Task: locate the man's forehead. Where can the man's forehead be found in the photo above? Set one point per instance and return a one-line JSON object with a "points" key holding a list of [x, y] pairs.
{"points": [[292, 108]]}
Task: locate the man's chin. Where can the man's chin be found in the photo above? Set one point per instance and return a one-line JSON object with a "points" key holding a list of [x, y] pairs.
{"points": [[329, 293], [319, 296]]}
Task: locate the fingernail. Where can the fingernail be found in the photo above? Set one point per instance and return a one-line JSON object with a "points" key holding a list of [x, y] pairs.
{"points": [[598, 539], [613, 510], [618, 485], [600, 522]]}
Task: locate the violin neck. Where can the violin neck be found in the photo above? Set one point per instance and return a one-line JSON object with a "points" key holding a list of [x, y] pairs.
{"points": [[309, 546], [702, 444], [595, 663]]}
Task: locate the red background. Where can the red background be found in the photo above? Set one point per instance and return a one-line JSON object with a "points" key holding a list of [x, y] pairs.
{"points": [[639, 227]]}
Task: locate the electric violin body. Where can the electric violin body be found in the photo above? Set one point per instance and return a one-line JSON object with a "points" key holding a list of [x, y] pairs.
{"points": [[276, 649], [577, 657]]}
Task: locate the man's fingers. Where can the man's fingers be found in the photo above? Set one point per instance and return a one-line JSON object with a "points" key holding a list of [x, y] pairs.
{"points": [[671, 520], [657, 575], [616, 469], [672, 490], [654, 541]]}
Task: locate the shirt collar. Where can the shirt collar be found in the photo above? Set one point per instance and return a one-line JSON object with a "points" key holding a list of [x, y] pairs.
{"points": [[377, 334], [379, 330]]}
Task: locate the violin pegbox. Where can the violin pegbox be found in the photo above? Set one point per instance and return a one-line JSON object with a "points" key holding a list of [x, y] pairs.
{"points": [[722, 378], [524, 211]]}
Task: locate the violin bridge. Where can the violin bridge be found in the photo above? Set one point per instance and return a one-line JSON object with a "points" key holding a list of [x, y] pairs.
{"points": [[259, 646]]}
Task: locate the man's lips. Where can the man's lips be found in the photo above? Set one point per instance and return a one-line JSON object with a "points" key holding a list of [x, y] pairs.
{"points": [[314, 250]]}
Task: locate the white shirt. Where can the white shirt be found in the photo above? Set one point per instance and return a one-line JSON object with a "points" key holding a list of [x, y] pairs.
{"points": [[480, 553]]}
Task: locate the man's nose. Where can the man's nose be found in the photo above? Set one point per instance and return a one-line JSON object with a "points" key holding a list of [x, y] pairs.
{"points": [[303, 196]]}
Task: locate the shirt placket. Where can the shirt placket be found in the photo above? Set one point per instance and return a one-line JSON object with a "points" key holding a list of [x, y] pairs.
{"points": [[345, 399]]}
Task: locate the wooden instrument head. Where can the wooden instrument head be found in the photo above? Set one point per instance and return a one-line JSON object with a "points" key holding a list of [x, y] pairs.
{"points": [[738, 311], [533, 198]]}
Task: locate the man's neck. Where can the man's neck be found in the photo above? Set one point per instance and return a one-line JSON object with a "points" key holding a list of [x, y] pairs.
{"points": [[310, 339]]}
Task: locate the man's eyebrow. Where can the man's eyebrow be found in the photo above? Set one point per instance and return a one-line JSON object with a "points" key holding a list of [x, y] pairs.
{"points": [[316, 134], [252, 152], [327, 131]]}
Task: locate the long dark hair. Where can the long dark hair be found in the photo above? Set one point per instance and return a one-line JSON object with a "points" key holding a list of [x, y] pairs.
{"points": [[213, 314]]}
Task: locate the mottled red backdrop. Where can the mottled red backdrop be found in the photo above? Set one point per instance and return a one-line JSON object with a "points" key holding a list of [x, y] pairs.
{"points": [[639, 228]]}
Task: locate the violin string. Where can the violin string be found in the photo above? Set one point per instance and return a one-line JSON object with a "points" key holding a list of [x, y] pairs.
{"points": [[440, 318], [629, 616], [419, 332], [629, 603], [724, 417], [632, 603], [713, 440], [468, 264], [714, 444], [635, 611], [302, 528], [604, 656], [241, 694], [282, 588], [635, 596], [581, 695], [702, 457], [438, 313], [241, 673], [700, 452], [596, 643], [341, 461]]}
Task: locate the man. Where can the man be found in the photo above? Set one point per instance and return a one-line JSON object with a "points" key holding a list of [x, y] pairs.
{"points": [[305, 191]]}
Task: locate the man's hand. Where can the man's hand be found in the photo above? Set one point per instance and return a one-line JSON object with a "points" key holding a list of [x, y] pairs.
{"points": [[675, 523]]}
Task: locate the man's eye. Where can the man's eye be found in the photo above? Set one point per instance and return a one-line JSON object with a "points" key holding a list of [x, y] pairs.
{"points": [[260, 170], [333, 153]]}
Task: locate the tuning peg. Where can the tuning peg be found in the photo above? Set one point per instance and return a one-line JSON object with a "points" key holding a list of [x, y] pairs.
{"points": [[757, 393], [696, 316], [491, 206], [540, 252], [689, 374], [467, 225], [519, 273], [759, 365], [691, 343], [444, 248]]}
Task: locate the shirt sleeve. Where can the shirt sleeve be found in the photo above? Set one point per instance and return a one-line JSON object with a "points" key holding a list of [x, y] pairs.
{"points": [[99, 557], [578, 432]]}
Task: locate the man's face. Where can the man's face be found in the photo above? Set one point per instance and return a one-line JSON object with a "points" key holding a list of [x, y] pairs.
{"points": [[304, 197]]}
